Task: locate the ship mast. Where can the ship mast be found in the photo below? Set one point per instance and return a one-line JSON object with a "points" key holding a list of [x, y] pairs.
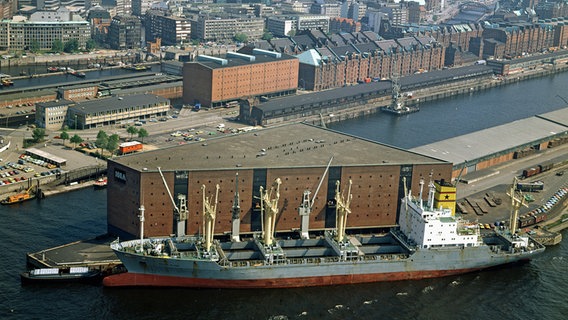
{"points": [[342, 210], [209, 214], [269, 208], [305, 209], [141, 217], [236, 213]]}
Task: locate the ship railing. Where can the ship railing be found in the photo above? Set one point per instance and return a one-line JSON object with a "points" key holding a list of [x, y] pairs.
{"points": [[313, 260]]}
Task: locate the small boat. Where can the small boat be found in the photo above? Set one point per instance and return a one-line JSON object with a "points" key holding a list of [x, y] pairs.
{"points": [[53, 69], [61, 275], [17, 198], [77, 74], [6, 82], [101, 183], [137, 67]]}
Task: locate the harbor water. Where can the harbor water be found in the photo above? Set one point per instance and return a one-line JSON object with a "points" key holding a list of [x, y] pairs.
{"points": [[533, 289]]}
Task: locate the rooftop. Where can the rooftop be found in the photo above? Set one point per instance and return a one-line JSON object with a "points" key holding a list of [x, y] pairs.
{"points": [[116, 102], [286, 146], [474, 145]]}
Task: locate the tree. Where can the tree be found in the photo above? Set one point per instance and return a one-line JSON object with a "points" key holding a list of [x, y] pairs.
{"points": [[112, 143], [102, 140], [64, 136], [34, 46], [57, 46], [142, 133], [71, 46], [132, 131], [240, 37], [291, 33], [75, 139], [38, 134], [90, 45], [267, 35]]}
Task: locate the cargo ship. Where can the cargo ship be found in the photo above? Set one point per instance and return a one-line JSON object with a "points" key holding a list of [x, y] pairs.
{"points": [[429, 241]]}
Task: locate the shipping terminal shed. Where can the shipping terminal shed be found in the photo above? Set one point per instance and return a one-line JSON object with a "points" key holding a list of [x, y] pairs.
{"points": [[300, 155]]}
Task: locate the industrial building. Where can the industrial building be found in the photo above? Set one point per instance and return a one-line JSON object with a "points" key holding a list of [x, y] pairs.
{"points": [[364, 94], [213, 81], [87, 114], [300, 155], [471, 152]]}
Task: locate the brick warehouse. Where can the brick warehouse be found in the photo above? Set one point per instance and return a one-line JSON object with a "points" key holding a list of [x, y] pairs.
{"points": [[296, 153], [214, 81]]}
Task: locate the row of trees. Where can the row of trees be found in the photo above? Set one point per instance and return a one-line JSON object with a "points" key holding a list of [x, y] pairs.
{"points": [[103, 141], [58, 46]]}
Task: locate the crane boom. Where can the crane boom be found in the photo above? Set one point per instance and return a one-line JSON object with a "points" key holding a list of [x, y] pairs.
{"points": [[168, 190], [320, 183]]}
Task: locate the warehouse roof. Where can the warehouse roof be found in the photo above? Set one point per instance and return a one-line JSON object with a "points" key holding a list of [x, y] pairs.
{"points": [[484, 143], [286, 146], [117, 102], [373, 87]]}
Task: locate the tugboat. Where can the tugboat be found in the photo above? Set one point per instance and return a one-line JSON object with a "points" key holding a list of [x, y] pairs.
{"points": [[101, 183], [398, 106]]}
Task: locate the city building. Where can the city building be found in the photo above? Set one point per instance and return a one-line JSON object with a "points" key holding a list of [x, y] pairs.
{"points": [[295, 7], [171, 29], [338, 25], [7, 8], [282, 26], [219, 28], [125, 32], [42, 29], [140, 7], [326, 7], [336, 60], [214, 81], [52, 115], [123, 7], [297, 154], [100, 20]]}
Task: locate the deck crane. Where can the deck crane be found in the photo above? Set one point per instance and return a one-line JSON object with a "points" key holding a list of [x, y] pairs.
{"points": [[269, 209], [209, 215], [180, 213], [305, 209], [236, 211], [516, 203], [343, 210]]}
